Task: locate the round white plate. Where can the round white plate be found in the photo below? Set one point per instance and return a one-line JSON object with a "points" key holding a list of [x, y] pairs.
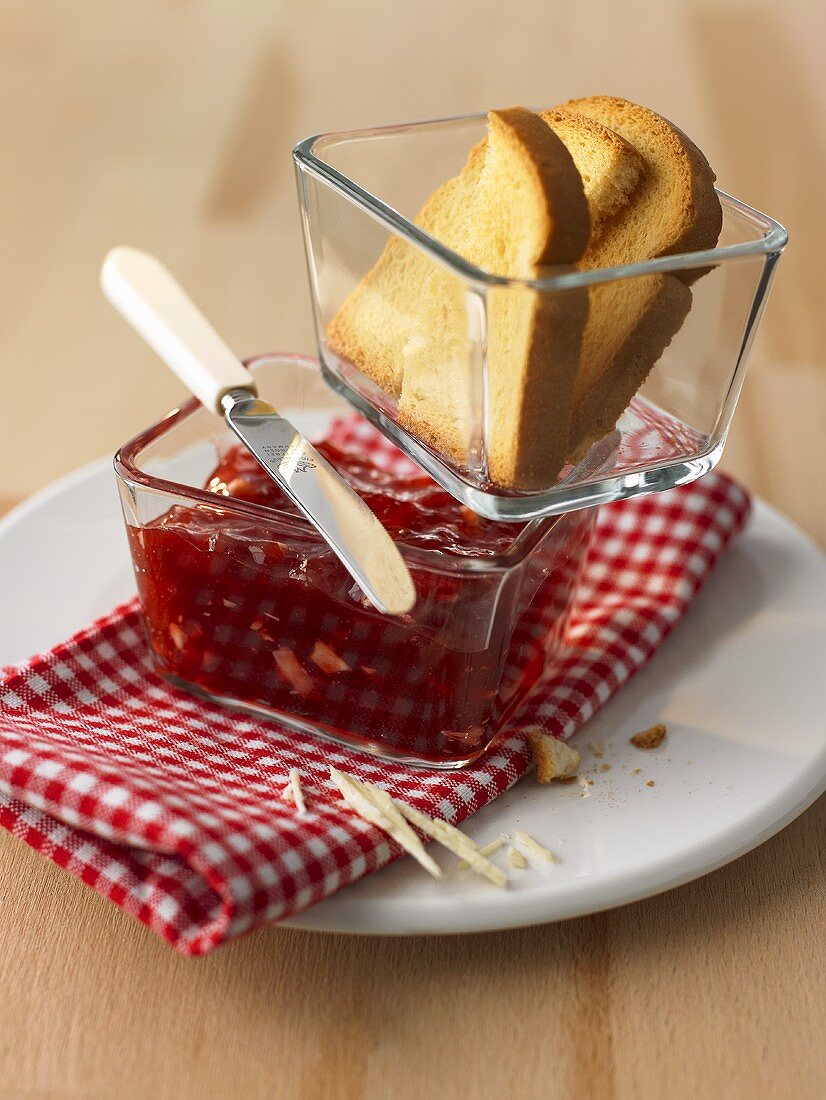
{"points": [[740, 686]]}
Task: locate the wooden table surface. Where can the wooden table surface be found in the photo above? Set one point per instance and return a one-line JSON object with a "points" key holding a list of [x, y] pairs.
{"points": [[169, 125]]}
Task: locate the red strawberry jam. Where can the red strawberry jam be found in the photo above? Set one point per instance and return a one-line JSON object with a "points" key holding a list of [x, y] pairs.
{"points": [[254, 608]]}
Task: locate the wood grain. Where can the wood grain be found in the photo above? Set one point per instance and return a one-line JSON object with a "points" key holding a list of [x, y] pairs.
{"points": [[714, 989], [169, 126]]}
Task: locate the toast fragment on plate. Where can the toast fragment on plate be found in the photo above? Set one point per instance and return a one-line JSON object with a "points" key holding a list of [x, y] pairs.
{"points": [[554, 759], [674, 208], [517, 207]]}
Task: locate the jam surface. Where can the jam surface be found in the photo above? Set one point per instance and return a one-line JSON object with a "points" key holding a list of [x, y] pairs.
{"points": [[412, 507], [260, 612]]}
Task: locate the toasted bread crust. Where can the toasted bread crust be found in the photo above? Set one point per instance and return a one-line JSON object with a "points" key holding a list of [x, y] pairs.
{"points": [[530, 396], [694, 215], [525, 453], [550, 166]]}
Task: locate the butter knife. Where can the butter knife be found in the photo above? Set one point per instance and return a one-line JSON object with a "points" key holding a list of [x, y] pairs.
{"points": [[146, 294]]}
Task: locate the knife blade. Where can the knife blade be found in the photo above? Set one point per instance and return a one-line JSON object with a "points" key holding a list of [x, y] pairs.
{"points": [[325, 498], [147, 295]]}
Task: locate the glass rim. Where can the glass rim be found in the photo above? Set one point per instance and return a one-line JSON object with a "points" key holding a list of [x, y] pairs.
{"points": [[127, 470], [773, 239]]}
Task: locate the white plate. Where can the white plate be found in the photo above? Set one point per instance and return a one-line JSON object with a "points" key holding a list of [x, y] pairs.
{"points": [[740, 686]]}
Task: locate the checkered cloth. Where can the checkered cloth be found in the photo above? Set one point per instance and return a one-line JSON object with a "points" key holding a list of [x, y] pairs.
{"points": [[172, 807]]}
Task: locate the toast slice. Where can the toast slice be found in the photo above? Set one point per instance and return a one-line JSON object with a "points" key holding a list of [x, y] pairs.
{"points": [[517, 207], [630, 324], [674, 208], [609, 165], [381, 322]]}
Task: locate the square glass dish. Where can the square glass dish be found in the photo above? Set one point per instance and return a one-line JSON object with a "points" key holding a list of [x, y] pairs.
{"points": [[244, 603], [359, 194]]}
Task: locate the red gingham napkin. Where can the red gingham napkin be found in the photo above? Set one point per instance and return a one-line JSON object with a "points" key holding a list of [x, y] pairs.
{"points": [[171, 806]]}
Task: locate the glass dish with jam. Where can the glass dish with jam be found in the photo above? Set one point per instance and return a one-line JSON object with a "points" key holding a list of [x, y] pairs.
{"points": [[244, 603]]}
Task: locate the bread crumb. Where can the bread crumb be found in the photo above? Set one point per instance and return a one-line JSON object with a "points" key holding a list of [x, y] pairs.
{"points": [[605, 768], [650, 783], [597, 748], [636, 771], [552, 757], [650, 738]]}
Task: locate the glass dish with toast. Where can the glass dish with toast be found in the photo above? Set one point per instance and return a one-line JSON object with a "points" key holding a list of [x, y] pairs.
{"points": [[545, 309]]}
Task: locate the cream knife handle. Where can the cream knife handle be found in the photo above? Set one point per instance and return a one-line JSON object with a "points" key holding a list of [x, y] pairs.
{"points": [[145, 293]]}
